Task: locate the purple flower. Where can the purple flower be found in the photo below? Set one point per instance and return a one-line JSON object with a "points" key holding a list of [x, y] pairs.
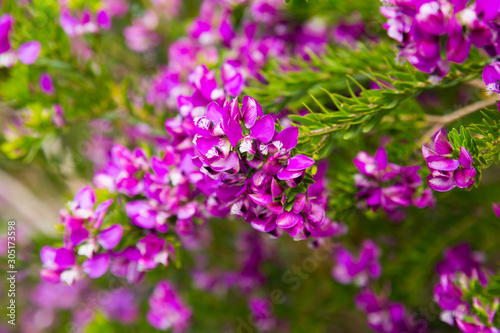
{"points": [[491, 77], [28, 52], [385, 316], [6, 21], [387, 185], [446, 171], [167, 310], [97, 265], [46, 84], [59, 264], [58, 116], [120, 304], [262, 315], [358, 270], [496, 209], [103, 19], [154, 251], [461, 259]]}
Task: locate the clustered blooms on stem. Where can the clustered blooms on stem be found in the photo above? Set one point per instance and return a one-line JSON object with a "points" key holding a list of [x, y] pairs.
{"points": [[460, 272], [424, 27], [448, 171], [389, 186], [255, 174], [27, 53], [383, 315], [264, 33], [85, 237], [348, 269]]}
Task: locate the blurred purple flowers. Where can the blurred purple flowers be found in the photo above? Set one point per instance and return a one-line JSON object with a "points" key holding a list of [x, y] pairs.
{"points": [[167, 310], [424, 27], [460, 271], [27, 53], [389, 186]]}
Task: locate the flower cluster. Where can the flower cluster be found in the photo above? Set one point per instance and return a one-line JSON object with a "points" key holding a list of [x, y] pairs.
{"points": [[167, 310], [491, 78], [389, 186], [264, 33], [422, 28], [385, 316], [86, 236], [446, 170], [27, 53], [255, 173], [460, 272], [349, 270]]}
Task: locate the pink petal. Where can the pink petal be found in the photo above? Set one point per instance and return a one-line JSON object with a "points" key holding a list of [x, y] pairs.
{"points": [[284, 174], [465, 158], [96, 267], [288, 137], [496, 209], [442, 163], [234, 132], [441, 183], [79, 235], [441, 145], [263, 129], [28, 52], [299, 163], [288, 220], [85, 198], [250, 110], [110, 237]]}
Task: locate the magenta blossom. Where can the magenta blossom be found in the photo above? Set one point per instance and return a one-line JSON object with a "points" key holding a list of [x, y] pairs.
{"points": [[167, 310], [447, 171], [358, 270], [46, 84], [387, 185]]}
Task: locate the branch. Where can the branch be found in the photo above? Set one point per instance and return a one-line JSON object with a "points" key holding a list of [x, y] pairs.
{"points": [[460, 113], [441, 121]]}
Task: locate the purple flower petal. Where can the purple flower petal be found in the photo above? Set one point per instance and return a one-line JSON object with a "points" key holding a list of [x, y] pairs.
{"points": [[28, 52], [96, 267], [110, 237], [441, 145], [46, 85], [261, 199], [288, 220], [288, 138], [217, 114], [234, 132], [103, 19], [100, 211], [263, 129], [491, 76], [441, 183], [465, 158], [250, 110], [442, 163], [381, 158], [61, 258], [79, 235], [496, 209], [299, 163], [465, 178], [85, 198], [284, 174]]}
